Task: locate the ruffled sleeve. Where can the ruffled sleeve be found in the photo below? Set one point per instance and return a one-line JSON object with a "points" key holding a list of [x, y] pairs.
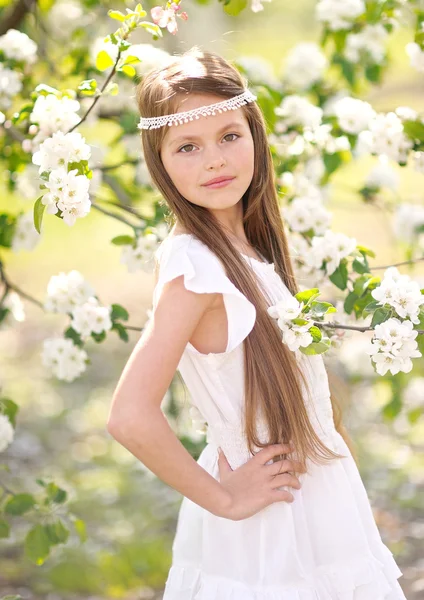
{"points": [[204, 274]]}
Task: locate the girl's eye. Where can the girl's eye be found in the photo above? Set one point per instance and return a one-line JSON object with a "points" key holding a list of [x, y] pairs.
{"points": [[188, 145]]}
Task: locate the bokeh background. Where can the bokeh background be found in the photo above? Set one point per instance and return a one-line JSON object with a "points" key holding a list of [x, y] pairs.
{"points": [[130, 515]]}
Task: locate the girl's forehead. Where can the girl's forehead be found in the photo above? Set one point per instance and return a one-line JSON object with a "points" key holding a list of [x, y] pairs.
{"points": [[205, 125]]}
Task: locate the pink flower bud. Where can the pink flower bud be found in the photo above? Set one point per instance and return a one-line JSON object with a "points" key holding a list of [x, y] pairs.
{"points": [[184, 16]]}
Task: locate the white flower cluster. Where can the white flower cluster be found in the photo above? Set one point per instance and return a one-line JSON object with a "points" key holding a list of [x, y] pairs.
{"points": [[339, 14], [402, 294], [140, 257], [91, 317], [353, 115], [69, 293], [330, 249], [306, 275], [67, 191], [18, 46], [64, 359], [66, 291], [10, 86], [50, 114], [26, 237], [305, 65], [393, 346], [295, 336], [305, 214], [298, 111], [416, 56], [408, 218], [388, 137], [368, 44], [256, 5], [7, 432]]}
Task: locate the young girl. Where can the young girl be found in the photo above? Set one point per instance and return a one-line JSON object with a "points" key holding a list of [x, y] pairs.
{"points": [[274, 508]]}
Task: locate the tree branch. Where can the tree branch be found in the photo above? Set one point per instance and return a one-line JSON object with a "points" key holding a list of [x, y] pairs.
{"points": [[16, 15]]}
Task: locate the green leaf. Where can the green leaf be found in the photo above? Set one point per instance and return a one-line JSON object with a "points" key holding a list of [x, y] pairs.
{"points": [[88, 87], [98, 337], [119, 312], [128, 70], [234, 7], [340, 276], [7, 229], [80, 529], [117, 15], [10, 409], [121, 331], [380, 315], [55, 493], [316, 333], [74, 336], [322, 308], [4, 529], [103, 61], [123, 240], [37, 544], [300, 322], [57, 532], [19, 504], [306, 295], [39, 209], [361, 266], [332, 162], [371, 307], [151, 28], [316, 347], [414, 130]]}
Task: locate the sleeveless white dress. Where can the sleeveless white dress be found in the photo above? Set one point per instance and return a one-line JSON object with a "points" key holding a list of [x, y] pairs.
{"points": [[323, 546]]}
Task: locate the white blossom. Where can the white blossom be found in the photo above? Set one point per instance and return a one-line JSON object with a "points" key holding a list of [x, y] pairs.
{"points": [[339, 14], [16, 45], [388, 137], [28, 182], [298, 111], [287, 309], [91, 317], [256, 5], [26, 237], [52, 114], [7, 433], [353, 115], [65, 360], [305, 65], [369, 43], [10, 86], [416, 56], [67, 291], [330, 248], [401, 293], [61, 149], [408, 218], [68, 192], [393, 346], [418, 161], [140, 257], [383, 175], [304, 214]]}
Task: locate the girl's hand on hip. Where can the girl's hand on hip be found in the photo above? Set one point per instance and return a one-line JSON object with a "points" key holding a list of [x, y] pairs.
{"points": [[254, 485]]}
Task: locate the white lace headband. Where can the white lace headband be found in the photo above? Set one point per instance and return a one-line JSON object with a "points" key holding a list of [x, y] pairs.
{"points": [[203, 111]]}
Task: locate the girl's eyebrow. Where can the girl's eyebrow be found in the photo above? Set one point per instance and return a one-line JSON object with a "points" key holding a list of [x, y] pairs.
{"points": [[195, 137]]}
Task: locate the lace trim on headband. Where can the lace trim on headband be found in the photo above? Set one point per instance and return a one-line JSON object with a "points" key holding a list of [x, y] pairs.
{"points": [[203, 111]]}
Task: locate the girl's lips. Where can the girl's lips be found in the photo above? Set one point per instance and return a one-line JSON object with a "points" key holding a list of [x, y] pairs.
{"points": [[220, 184]]}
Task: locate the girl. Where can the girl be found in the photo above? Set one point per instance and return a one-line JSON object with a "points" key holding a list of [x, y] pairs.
{"points": [[274, 508]]}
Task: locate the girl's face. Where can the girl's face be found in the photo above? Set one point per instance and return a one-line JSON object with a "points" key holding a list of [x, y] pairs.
{"points": [[207, 148]]}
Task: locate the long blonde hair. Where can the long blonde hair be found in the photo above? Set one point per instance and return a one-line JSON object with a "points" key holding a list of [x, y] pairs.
{"points": [[272, 374]]}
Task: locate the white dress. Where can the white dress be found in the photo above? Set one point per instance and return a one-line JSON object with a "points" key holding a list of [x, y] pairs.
{"points": [[323, 546]]}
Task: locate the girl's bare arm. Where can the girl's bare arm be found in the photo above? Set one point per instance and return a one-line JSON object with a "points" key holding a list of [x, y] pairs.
{"points": [[136, 420]]}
